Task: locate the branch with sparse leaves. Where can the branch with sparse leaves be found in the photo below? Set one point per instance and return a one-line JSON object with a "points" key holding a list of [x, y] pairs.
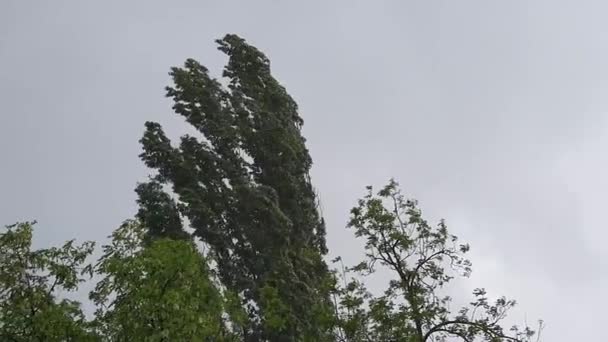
{"points": [[424, 259]]}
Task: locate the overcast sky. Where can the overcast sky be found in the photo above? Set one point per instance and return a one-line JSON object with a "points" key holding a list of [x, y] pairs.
{"points": [[491, 113]]}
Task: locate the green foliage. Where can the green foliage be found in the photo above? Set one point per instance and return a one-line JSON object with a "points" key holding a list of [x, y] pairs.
{"points": [[159, 292], [243, 185], [159, 211], [29, 283], [423, 259]]}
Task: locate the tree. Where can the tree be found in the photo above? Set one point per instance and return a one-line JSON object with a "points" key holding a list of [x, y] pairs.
{"points": [[244, 187], [423, 259], [161, 291], [29, 283]]}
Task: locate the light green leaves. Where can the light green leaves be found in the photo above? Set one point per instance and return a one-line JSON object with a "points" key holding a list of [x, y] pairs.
{"points": [[157, 292], [29, 283], [423, 258]]}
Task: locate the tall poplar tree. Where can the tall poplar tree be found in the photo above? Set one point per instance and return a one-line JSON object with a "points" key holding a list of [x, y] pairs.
{"points": [[243, 184]]}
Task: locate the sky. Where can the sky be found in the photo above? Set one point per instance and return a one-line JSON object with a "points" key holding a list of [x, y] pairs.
{"points": [[493, 114]]}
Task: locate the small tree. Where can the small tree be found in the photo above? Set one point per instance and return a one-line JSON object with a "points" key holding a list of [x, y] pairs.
{"points": [[423, 259], [157, 291], [29, 282]]}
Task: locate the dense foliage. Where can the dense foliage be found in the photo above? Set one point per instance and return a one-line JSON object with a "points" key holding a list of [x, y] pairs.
{"points": [[244, 187], [161, 292], [228, 243]]}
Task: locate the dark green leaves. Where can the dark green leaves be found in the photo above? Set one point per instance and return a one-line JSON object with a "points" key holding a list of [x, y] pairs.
{"points": [[243, 186]]}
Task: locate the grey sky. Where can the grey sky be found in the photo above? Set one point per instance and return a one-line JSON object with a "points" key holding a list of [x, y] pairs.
{"points": [[491, 113]]}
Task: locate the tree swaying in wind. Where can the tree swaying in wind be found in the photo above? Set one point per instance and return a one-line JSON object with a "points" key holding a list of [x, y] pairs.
{"points": [[244, 186]]}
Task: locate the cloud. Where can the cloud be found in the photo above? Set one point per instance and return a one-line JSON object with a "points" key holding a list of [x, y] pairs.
{"points": [[492, 114]]}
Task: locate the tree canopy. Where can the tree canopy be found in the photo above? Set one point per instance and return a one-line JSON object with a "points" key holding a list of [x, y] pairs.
{"points": [[159, 292]]}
